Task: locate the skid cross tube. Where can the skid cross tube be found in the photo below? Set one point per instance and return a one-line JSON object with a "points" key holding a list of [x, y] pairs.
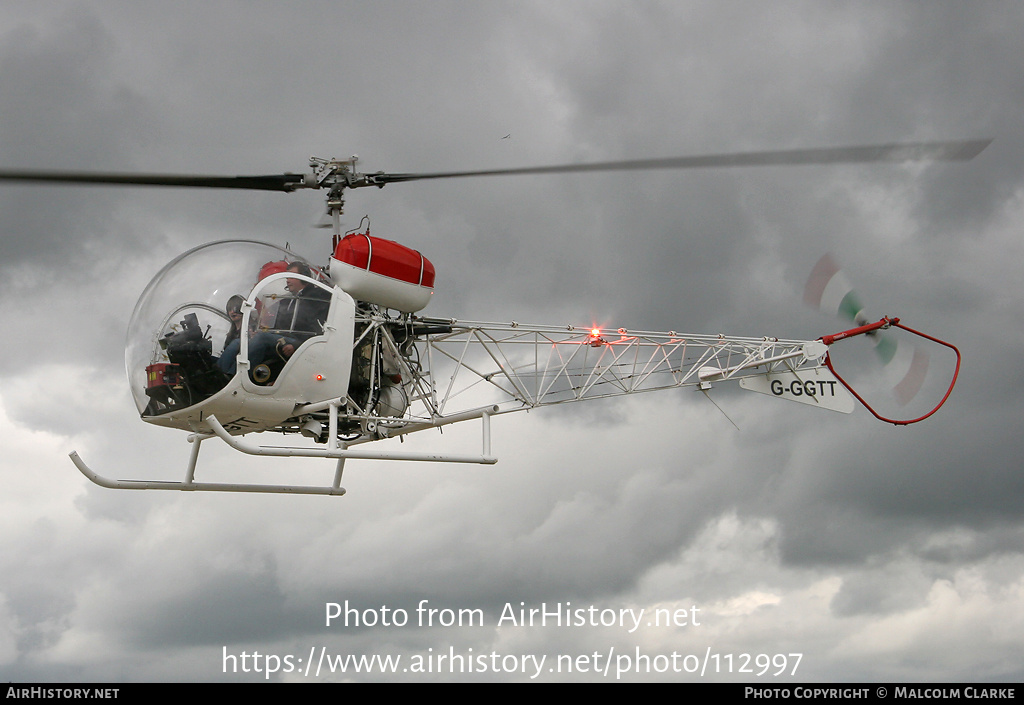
{"points": [[343, 453]]}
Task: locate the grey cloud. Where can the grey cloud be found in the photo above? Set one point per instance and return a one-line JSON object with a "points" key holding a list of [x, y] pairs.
{"points": [[851, 525]]}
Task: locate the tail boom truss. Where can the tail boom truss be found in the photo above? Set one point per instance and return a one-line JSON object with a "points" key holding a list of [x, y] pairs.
{"points": [[529, 366]]}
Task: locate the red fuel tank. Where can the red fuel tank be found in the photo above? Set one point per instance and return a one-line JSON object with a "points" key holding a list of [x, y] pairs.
{"points": [[382, 272]]}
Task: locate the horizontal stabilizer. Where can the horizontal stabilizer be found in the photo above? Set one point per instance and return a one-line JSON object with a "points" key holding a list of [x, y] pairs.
{"points": [[817, 387]]}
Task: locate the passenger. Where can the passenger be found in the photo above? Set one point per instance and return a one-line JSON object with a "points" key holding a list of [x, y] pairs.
{"points": [[298, 318], [232, 341], [234, 311]]}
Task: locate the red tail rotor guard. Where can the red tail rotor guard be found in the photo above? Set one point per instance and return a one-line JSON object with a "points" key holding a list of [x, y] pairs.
{"points": [[886, 322]]}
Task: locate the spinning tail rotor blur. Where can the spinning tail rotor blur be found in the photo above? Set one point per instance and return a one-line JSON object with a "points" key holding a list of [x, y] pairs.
{"points": [[905, 365]]}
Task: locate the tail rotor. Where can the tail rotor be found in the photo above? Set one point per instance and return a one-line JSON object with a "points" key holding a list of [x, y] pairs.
{"points": [[905, 366]]}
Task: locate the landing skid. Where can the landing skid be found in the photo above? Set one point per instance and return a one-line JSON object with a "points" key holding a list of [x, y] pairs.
{"points": [[190, 485], [333, 451]]}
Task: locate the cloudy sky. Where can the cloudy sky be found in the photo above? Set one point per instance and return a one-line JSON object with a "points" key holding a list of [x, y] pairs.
{"points": [[878, 553]]}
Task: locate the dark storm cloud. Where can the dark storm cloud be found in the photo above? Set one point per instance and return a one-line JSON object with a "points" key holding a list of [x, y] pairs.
{"points": [[837, 530], [64, 107], [955, 76]]}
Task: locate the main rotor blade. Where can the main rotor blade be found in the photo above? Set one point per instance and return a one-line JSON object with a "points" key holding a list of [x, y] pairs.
{"points": [[274, 182], [962, 150], [913, 151]]}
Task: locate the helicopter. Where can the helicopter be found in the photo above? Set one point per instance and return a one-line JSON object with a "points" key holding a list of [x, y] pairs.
{"points": [[240, 337]]}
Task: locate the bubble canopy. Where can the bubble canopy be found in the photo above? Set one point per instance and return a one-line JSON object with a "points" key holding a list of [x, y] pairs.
{"points": [[199, 282]]}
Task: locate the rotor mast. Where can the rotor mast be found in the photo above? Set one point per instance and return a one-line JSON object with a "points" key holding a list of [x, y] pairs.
{"points": [[336, 175]]}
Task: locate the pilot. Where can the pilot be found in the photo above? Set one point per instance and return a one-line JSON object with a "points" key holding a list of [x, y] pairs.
{"points": [[303, 314], [298, 318]]}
